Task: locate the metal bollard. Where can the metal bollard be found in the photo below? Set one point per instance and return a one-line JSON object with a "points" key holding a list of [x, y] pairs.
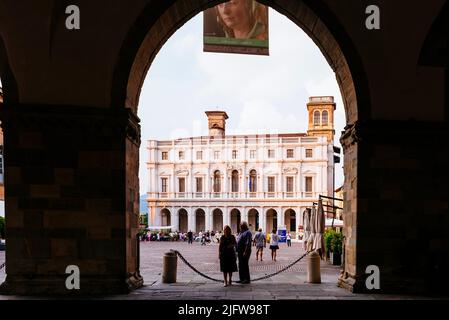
{"points": [[169, 267], [313, 268]]}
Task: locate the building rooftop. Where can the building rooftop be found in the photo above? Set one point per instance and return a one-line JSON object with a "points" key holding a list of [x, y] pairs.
{"points": [[241, 136]]}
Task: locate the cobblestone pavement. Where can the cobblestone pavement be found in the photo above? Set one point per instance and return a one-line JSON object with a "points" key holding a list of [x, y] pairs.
{"points": [[291, 284]]}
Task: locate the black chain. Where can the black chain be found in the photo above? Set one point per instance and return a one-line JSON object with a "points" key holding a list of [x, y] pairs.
{"points": [[257, 279], [2, 265], [283, 269]]}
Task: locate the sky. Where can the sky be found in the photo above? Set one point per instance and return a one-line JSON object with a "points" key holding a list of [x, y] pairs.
{"points": [[261, 94]]}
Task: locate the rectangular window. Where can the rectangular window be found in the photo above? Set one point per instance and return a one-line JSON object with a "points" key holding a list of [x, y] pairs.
{"points": [[289, 184], [181, 155], [164, 155], [271, 186], [199, 184], [309, 184], [234, 154], [271, 153], [309, 153], [290, 153], [199, 155], [252, 154], [182, 184], [164, 184], [216, 155]]}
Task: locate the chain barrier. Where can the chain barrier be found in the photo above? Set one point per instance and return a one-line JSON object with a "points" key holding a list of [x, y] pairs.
{"points": [[257, 279], [2, 265]]}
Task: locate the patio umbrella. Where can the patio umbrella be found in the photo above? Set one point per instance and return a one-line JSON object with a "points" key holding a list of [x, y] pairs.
{"points": [[320, 226], [306, 226], [311, 238]]}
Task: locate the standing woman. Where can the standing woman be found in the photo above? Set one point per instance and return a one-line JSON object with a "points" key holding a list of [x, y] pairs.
{"points": [[274, 244], [227, 255]]}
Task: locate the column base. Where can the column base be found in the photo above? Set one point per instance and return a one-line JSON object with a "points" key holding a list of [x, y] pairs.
{"points": [[55, 285]]}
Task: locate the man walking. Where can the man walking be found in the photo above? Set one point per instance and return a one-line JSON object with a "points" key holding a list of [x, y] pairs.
{"points": [[244, 243], [260, 242]]}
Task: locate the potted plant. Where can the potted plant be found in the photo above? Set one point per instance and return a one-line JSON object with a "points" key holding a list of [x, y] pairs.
{"points": [[336, 248], [328, 236]]}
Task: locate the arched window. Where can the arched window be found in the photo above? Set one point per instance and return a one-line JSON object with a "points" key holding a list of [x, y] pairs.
{"points": [[217, 181], [316, 118], [253, 181], [235, 181], [324, 118]]}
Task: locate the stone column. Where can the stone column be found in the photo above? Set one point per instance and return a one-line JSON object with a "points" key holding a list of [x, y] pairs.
{"points": [[158, 216], [263, 224], [208, 220], [71, 194], [281, 217], [244, 216], [262, 219], [175, 221], [298, 217], [191, 219]]}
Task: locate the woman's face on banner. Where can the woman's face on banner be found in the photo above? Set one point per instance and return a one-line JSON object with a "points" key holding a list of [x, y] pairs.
{"points": [[234, 14]]}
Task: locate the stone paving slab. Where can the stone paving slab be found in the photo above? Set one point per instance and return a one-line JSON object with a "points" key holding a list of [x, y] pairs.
{"points": [[289, 285]]}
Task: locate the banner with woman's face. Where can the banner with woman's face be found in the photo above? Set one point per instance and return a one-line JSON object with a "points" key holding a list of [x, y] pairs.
{"points": [[236, 26]]}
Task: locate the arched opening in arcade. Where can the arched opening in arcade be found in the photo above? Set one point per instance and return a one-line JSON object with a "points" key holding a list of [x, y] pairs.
{"points": [[233, 187], [236, 218], [217, 216], [272, 220], [166, 217], [253, 220], [183, 221], [200, 218]]}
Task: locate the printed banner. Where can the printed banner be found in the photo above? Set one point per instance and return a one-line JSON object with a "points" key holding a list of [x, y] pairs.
{"points": [[237, 26]]}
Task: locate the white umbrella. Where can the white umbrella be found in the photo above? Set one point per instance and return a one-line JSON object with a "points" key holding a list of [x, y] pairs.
{"points": [[319, 229], [306, 226], [311, 238]]}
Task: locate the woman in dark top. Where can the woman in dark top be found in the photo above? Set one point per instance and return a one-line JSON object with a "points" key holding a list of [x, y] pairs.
{"points": [[227, 255]]}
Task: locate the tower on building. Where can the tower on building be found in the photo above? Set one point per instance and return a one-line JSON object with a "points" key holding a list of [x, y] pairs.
{"points": [[217, 122], [321, 117]]}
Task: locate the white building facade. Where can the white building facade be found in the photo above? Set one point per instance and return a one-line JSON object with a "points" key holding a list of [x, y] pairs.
{"points": [[204, 183]]}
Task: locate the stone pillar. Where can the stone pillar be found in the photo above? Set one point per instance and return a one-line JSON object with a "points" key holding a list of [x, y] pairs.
{"points": [[396, 171], [298, 217], [191, 218], [226, 217], [281, 217], [71, 194], [175, 219], [263, 223], [244, 216], [208, 220], [158, 216], [261, 219]]}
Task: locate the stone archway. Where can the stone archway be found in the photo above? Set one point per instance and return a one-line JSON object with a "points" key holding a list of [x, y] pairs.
{"points": [[313, 17]]}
